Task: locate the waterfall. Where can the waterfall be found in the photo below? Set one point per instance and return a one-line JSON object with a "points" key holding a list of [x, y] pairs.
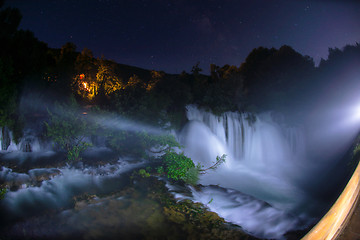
{"points": [[256, 140], [30, 142], [7, 142], [5, 138], [264, 158]]}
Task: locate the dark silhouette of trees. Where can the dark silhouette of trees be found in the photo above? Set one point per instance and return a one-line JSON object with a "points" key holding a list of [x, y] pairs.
{"points": [[9, 22], [85, 75], [65, 67], [338, 76], [269, 79], [276, 78], [225, 89]]}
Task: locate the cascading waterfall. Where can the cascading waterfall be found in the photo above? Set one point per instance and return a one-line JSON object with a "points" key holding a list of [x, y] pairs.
{"points": [[5, 138], [30, 142], [263, 161], [43, 189]]}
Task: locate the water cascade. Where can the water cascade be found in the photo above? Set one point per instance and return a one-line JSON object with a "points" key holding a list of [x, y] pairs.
{"points": [[29, 142], [5, 139], [43, 189], [265, 161]]}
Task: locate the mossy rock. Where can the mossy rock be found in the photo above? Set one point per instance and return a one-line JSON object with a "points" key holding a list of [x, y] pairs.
{"points": [[174, 216]]}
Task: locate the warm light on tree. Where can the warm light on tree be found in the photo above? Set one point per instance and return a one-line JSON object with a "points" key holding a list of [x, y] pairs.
{"points": [[107, 81]]}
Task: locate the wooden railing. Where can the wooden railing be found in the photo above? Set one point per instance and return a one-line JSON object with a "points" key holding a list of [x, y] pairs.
{"points": [[332, 224]]}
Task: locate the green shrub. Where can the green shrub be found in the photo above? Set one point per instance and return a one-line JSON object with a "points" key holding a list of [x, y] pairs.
{"points": [[68, 128], [143, 173], [192, 176], [160, 170], [2, 193], [179, 167]]}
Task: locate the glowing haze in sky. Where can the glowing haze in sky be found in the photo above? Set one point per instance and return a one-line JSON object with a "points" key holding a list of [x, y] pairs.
{"points": [[174, 35]]}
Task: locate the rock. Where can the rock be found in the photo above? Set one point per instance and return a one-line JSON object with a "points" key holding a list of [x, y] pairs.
{"points": [[14, 181], [43, 174]]}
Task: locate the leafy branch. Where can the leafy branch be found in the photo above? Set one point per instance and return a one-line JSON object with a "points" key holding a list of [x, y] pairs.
{"points": [[219, 161]]}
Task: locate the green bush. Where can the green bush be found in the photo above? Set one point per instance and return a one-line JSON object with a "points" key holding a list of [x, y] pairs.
{"points": [[179, 167], [68, 128], [160, 170], [143, 173], [192, 176], [2, 193]]}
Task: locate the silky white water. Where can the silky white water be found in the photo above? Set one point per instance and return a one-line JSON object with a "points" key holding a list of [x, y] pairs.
{"points": [[265, 160], [263, 186], [34, 195]]}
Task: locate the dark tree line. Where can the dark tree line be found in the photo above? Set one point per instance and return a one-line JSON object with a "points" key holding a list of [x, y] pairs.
{"points": [[269, 79]]}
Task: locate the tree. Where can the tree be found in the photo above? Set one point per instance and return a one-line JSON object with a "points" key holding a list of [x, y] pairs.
{"points": [[225, 89], [106, 80], [156, 77], [68, 129], [196, 69], [85, 81], [10, 19], [274, 78], [64, 68], [7, 95]]}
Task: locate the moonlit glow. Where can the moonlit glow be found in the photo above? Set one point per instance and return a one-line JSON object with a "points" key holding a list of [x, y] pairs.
{"points": [[357, 113]]}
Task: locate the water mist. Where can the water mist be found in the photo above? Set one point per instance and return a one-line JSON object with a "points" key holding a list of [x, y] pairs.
{"points": [[259, 187]]}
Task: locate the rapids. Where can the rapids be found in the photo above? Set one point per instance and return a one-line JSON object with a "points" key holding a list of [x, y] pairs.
{"points": [[269, 184]]}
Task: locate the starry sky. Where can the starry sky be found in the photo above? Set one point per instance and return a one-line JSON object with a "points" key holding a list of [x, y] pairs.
{"points": [[174, 35]]}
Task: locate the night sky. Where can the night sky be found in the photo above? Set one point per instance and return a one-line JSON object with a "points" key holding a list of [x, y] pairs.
{"points": [[174, 35]]}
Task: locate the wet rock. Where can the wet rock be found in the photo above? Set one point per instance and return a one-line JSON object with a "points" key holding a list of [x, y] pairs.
{"points": [[39, 175], [143, 210], [14, 181]]}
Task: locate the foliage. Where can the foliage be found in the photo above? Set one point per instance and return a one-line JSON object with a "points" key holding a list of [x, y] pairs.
{"points": [[8, 94], [73, 154], [192, 176], [140, 143], [85, 82], [68, 128], [218, 162], [2, 193], [107, 80], [143, 173], [196, 69], [160, 170], [179, 167], [277, 75], [356, 150]]}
